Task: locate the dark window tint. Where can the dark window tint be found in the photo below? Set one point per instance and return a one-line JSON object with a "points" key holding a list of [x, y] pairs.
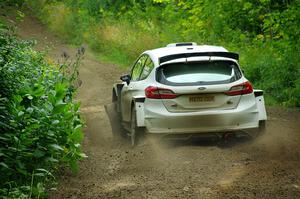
{"points": [[197, 73]]}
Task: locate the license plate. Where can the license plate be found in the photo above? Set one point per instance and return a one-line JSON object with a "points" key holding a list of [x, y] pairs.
{"points": [[206, 98]]}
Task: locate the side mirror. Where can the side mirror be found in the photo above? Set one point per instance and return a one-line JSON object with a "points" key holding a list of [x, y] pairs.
{"points": [[126, 78]]}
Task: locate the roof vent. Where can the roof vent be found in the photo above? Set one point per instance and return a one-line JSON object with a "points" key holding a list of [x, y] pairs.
{"points": [[182, 44]]}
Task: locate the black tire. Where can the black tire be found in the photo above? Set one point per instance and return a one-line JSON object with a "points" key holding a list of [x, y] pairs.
{"points": [[115, 120], [262, 127], [260, 130]]}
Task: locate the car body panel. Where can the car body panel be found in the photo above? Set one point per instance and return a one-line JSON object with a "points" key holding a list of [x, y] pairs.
{"points": [[128, 93], [260, 102], [183, 102], [140, 113], [197, 101], [225, 113], [160, 120]]}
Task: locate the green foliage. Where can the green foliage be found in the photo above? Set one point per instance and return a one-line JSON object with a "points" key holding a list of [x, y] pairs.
{"points": [[265, 32], [15, 3], [40, 125]]}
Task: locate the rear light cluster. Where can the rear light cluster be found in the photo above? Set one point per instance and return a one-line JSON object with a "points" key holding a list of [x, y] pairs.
{"points": [[240, 89], [159, 93], [153, 92]]}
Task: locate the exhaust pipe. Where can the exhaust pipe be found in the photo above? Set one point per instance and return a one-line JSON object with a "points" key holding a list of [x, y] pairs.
{"points": [[228, 135]]}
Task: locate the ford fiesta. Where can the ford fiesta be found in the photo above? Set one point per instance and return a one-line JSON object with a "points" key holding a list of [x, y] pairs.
{"points": [[188, 89]]}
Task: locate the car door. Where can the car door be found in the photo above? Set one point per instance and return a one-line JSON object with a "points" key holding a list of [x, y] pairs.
{"points": [[128, 91]]}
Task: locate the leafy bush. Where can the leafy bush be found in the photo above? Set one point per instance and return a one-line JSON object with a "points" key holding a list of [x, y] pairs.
{"points": [[40, 125]]}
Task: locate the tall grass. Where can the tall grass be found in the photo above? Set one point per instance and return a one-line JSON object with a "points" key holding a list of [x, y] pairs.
{"points": [[119, 42], [115, 41]]}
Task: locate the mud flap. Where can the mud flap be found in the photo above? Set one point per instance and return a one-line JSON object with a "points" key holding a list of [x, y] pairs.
{"points": [[117, 88], [260, 104], [115, 121], [140, 113]]}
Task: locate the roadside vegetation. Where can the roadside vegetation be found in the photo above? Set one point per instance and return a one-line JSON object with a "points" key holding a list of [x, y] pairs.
{"points": [[265, 32], [40, 124]]}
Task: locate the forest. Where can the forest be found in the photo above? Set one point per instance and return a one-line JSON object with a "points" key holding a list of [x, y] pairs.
{"points": [[40, 122], [265, 33]]}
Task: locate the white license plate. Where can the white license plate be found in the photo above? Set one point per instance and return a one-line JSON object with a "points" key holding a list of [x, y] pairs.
{"points": [[204, 98]]}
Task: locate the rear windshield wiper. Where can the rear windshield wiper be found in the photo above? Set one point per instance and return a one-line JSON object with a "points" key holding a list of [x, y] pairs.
{"points": [[202, 82]]}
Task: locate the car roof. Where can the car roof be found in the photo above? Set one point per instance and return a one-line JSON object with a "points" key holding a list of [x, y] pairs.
{"points": [[165, 51]]}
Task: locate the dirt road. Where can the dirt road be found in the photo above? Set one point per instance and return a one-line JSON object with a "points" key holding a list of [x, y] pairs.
{"points": [[266, 168]]}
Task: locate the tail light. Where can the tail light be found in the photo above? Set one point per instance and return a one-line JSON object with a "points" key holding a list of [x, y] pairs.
{"points": [[159, 93], [240, 89]]}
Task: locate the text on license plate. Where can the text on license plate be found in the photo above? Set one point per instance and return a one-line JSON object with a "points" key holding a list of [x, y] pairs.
{"points": [[207, 98]]}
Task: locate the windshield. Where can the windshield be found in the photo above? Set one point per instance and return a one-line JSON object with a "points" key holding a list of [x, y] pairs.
{"points": [[195, 73]]}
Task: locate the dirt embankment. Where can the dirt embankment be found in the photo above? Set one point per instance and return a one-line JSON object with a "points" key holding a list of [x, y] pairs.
{"points": [[269, 167]]}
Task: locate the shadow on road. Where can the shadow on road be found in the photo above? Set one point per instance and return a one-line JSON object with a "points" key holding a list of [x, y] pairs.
{"points": [[221, 143]]}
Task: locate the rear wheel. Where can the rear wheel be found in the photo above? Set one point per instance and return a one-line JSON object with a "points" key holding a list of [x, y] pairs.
{"points": [[260, 130], [134, 129], [262, 127]]}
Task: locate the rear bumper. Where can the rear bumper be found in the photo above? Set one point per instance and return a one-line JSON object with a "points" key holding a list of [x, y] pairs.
{"points": [[159, 120]]}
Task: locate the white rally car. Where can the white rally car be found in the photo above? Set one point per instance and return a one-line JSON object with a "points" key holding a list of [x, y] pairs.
{"points": [[188, 89]]}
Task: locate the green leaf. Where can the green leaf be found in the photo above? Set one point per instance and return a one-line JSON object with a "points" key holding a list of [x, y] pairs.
{"points": [[18, 98], [51, 159], [41, 170], [4, 125], [76, 107], [29, 96], [61, 90], [54, 122], [23, 171], [38, 90], [52, 98], [20, 113], [74, 166], [4, 165], [77, 134], [59, 107], [56, 147], [3, 138], [38, 153], [40, 174], [82, 155], [29, 110]]}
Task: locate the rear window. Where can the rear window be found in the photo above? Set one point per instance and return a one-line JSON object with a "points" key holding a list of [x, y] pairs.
{"points": [[198, 73]]}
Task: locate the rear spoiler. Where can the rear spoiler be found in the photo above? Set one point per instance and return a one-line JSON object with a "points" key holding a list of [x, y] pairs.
{"points": [[199, 54]]}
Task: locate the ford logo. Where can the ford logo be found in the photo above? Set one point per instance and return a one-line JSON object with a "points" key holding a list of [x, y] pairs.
{"points": [[201, 88]]}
